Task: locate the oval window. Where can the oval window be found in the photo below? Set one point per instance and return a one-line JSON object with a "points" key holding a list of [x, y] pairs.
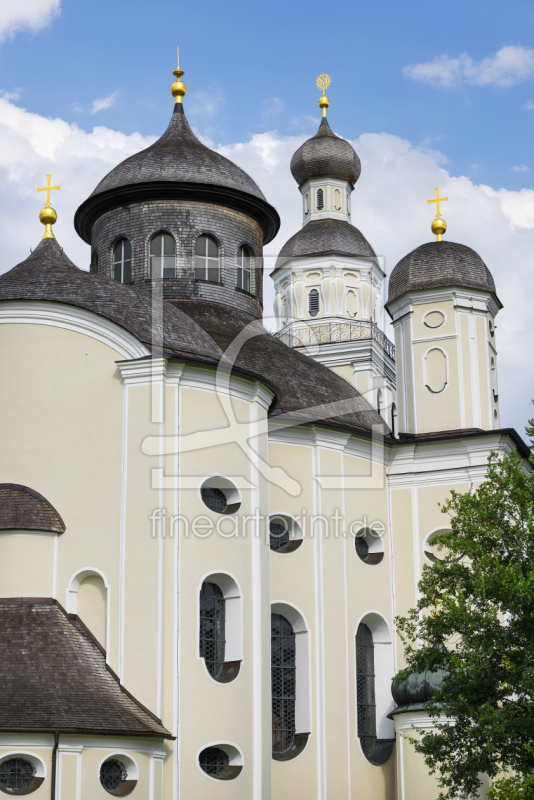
{"points": [[434, 319], [435, 553], [220, 495], [222, 762], [20, 775], [118, 775], [435, 371], [369, 546], [285, 534]]}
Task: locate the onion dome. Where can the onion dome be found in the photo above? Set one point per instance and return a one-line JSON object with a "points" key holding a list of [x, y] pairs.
{"points": [[177, 166], [326, 155], [323, 237], [440, 264], [416, 690]]}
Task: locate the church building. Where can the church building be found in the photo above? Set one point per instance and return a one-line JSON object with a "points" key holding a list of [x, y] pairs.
{"points": [[207, 529]]}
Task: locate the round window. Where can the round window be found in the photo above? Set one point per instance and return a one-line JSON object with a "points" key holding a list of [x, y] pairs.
{"points": [[224, 763], [220, 495], [435, 553], [369, 546], [117, 776], [19, 775], [285, 534]]}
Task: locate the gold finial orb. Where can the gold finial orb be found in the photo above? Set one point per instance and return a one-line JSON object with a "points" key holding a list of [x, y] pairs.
{"points": [[438, 227], [178, 89], [323, 82], [48, 216]]}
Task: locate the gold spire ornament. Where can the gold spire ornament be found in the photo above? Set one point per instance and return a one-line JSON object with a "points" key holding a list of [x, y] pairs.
{"points": [[178, 89], [438, 226], [323, 82], [47, 215]]}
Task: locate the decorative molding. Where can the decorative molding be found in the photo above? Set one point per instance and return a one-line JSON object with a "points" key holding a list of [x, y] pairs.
{"points": [[79, 320]]}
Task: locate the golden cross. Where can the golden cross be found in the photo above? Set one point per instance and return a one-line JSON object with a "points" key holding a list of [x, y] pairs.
{"points": [[48, 189], [437, 201]]}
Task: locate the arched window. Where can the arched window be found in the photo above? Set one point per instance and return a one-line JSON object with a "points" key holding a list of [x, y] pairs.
{"points": [[94, 261], [283, 683], [207, 259], [365, 687], [320, 199], [374, 667], [212, 627], [243, 269], [313, 302], [393, 419], [162, 256], [379, 401], [122, 261]]}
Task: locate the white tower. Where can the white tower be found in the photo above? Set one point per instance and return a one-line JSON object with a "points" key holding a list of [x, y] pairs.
{"points": [[443, 303], [328, 281]]}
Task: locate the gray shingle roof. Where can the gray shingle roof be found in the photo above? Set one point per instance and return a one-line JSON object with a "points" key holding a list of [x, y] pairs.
{"points": [[326, 155], [54, 677], [22, 508], [195, 331], [177, 166], [179, 156], [435, 265], [48, 274], [323, 237]]}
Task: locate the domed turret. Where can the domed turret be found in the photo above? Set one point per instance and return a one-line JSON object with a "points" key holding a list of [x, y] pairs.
{"points": [[180, 212], [326, 154], [443, 302]]}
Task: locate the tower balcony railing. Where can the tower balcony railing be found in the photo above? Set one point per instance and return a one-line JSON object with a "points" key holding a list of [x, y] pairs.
{"points": [[313, 334]]}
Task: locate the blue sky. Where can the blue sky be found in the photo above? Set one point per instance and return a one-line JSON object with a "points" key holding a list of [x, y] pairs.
{"points": [[239, 55], [429, 95]]}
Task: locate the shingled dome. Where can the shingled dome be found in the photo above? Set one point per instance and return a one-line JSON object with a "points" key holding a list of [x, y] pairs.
{"points": [[326, 155], [323, 237], [24, 509], [177, 166], [437, 265]]}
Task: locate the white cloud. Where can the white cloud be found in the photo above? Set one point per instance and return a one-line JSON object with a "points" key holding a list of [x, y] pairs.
{"points": [[206, 102], [511, 65], [389, 206], [272, 107], [529, 105], [13, 95], [521, 168], [103, 103], [26, 14]]}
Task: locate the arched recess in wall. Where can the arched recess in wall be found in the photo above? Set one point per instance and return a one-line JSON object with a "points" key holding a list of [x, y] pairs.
{"points": [[88, 597], [290, 681], [220, 626], [435, 370], [374, 670], [352, 303]]}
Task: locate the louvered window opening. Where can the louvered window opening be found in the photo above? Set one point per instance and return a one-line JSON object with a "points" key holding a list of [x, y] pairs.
{"points": [[122, 261], [313, 301], [207, 259], [112, 774], [365, 687], [16, 773], [243, 269], [278, 535], [212, 627], [283, 683], [214, 761], [163, 256], [214, 498], [320, 199]]}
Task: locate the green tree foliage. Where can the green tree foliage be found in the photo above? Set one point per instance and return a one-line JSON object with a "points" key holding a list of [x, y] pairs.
{"points": [[482, 636]]}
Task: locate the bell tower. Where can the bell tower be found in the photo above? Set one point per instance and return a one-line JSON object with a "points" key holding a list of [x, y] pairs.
{"points": [[443, 303], [328, 279]]}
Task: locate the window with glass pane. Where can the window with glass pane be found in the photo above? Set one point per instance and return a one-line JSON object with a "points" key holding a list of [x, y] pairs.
{"points": [[122, 261], [313, 303], [243, 269], [283, 683], [207, 259], [212, 627], [365, 686], [162, 256]]}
